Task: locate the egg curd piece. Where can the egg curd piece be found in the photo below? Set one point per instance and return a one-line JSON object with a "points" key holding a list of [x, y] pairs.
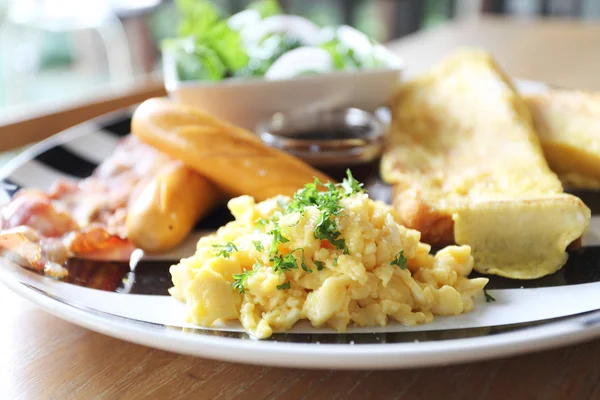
{"points": [[333, 257]]}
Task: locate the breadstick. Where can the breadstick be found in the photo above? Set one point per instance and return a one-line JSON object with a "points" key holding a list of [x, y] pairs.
{"points": [[233, 158], [168, 207]]}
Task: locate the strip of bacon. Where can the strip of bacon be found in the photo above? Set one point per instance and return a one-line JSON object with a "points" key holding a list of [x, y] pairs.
{"points": [[41, 230]]}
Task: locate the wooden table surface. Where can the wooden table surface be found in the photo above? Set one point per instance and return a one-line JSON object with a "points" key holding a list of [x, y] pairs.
{"points": [[43, 357]]}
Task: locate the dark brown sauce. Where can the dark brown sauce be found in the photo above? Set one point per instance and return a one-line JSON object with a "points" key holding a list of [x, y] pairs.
{"points": [[329, 143], [355, 132], [365, 172]]}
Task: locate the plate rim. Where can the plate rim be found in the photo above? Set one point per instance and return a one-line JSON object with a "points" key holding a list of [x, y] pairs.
{"points": [[571, 330], [383, 356]]}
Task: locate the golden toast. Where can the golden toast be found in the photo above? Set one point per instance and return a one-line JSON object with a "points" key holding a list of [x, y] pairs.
{"points": [[568, 125], [467, 168]]}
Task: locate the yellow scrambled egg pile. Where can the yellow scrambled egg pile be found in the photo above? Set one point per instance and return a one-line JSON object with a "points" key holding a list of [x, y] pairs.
{"points": [[334, 260]]}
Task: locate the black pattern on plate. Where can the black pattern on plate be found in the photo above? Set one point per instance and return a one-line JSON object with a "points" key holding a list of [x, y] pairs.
{"points": [[10, 187], [118, 126], [64, 160]]}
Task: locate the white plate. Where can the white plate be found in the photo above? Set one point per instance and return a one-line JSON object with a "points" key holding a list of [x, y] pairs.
{"points": [[548, 312]]}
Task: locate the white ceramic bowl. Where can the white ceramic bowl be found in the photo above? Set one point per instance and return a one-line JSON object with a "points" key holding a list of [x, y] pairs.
{"points": [[246, 102]]}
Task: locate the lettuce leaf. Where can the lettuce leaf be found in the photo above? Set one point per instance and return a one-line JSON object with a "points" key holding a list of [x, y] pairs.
{"points": [[194, 61], [203, 25], [266, 8], [342, 55], [267, 52]]}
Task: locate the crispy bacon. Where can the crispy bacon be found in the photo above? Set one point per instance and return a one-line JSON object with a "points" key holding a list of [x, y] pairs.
{"points": [[41, 230]]}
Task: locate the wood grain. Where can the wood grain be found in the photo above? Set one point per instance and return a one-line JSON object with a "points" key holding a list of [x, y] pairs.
{"points": [[25, 125], [562, 52], [46, 358]]}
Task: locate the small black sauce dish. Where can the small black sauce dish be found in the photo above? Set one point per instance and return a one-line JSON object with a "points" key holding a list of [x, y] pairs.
{"points": [[329, 140]]}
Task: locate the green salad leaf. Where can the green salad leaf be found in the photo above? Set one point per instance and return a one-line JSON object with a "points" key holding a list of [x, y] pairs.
{"points": [[208, 47], [266, 8], [195, 61], [206, 35], [265, 53], [197, 17], [342, 55]]}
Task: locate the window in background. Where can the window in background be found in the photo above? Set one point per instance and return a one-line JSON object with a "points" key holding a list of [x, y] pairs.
{"points": [[59, 56], [57, 50], [586, 9]]}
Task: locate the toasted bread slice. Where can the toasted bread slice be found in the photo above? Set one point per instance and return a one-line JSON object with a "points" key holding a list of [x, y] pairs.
{"points": [[521, 239], [568, 125], [462, 142]]}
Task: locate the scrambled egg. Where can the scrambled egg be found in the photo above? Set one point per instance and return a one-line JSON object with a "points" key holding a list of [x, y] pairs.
{"points": [[335, 263]]}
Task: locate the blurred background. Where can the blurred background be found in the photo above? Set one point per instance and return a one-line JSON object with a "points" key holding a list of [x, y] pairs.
{"points": [[54, 51]]}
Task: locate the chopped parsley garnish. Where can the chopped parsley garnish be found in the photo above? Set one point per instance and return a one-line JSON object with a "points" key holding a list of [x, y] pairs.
{"points": [[303, 264], [335, 262], [328, 202], [351, 185], [239, 280], [261, 222], [289, 262], [400, 260], [305, 197], [277, 238], [225, 250], [320, 265], [326, 228], [284, 263], [488, 297]]}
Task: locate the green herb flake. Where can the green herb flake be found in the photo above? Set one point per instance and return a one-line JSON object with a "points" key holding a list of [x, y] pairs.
{"points": [[261, 223], [350, 185], [328, 202], [284, 286], [239, 280], [308, 196], [303, 263], [327, 229], [284, 263], [488, 297], [335, 260], [225, 250], [400, 260], [320, 265], [277, 239], [258, 245]]}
